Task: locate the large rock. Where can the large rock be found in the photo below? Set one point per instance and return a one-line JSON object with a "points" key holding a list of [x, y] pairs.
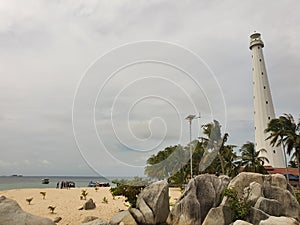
{"points": [[269, 206], [272, 220], [270, 194], [243, 180], [289, 204], [123, 217], [96, 222], [153, 203], [241, 222], [90, 204], [137, 215], [202, 193], [218, 216], [12, 214], [253, 192], [256, 215]]}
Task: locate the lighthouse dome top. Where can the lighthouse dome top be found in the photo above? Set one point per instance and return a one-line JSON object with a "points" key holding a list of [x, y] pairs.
{"points": [[255, 39]]}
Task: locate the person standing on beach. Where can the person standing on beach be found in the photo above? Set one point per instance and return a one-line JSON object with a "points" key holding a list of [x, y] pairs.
{"points": [[57, 185]]}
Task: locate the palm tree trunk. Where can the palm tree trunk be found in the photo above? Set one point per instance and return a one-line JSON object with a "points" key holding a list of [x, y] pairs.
{"points": [[285, 160], [298, 161], [222, 164]]}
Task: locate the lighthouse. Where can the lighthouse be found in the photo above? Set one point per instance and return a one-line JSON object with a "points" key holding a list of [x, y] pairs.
{"points": [[263, 104]]}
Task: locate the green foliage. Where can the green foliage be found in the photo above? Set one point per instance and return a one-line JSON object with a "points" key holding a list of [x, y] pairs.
{"points": [[211, 154], [43, 194], [251, 160], [240, 206], [286, 132], [84, 193], [29, 200], [129, 188], [52, 208], [105, 200]]}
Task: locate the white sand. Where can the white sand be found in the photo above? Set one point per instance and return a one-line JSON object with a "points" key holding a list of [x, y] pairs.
{"points": [[67, 203]]}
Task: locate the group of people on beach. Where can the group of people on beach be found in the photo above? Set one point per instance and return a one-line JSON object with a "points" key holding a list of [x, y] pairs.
{"points": [[65, 184]]}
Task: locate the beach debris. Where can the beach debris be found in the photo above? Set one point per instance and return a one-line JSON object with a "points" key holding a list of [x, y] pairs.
{"points": [[90, 204], [11, 213], [57, 219], [96, 189], [105, 200], [29, 200], [52, 208], [43, 193], [84, 193]]}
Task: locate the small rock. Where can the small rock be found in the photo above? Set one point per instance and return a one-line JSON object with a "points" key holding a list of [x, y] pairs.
{"points": [[272, 220], [90, 204]]}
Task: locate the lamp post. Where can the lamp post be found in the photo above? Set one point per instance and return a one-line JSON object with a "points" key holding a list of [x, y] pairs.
{"points": [[190, 119]]}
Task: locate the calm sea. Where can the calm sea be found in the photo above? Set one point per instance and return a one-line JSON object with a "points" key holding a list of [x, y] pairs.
{"points": [[14, 182]]}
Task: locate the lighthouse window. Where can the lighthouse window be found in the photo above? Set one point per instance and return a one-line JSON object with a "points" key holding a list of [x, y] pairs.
{"points": [[274, 151], [269, 117], [252, 69], [260, 60], [267, 102], [252, 56], [254, 128], [264, 87], [258, 47], [262, 73]]}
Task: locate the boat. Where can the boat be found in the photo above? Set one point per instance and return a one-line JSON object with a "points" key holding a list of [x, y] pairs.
{"points": [[45, 181], [92, 184]]}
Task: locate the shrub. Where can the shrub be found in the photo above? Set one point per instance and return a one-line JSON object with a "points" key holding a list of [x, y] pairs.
{"points": [[129, 188], [84, 193], [29, 200], [43, 194], [240, 206], [105, 200], [52, 208]]}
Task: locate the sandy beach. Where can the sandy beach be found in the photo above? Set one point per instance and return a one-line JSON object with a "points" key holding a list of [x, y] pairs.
{"points": [[67, 203]]}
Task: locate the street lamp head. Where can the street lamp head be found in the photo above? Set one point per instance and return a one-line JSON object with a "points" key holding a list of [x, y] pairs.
{"points": [[190, 117]]}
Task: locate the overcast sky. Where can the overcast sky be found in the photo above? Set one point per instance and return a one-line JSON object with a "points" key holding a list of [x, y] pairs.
{"points": [[91, 56]]}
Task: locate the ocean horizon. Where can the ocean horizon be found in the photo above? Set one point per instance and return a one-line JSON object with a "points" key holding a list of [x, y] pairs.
{"points": [[22, 182]]}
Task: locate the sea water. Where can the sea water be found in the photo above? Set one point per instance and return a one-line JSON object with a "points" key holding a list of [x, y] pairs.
{"points": [[20, 182]]}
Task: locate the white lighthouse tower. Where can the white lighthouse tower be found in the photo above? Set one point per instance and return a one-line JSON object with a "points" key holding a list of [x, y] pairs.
{"points": [[263, 104]]}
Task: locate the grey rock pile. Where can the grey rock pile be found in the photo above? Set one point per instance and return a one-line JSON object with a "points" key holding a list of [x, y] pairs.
{"points": [[11, 213]]}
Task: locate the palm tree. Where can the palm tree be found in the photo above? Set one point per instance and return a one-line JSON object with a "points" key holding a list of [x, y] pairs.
{"points": [[284, 131], [215, 140], [251, 160]]}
